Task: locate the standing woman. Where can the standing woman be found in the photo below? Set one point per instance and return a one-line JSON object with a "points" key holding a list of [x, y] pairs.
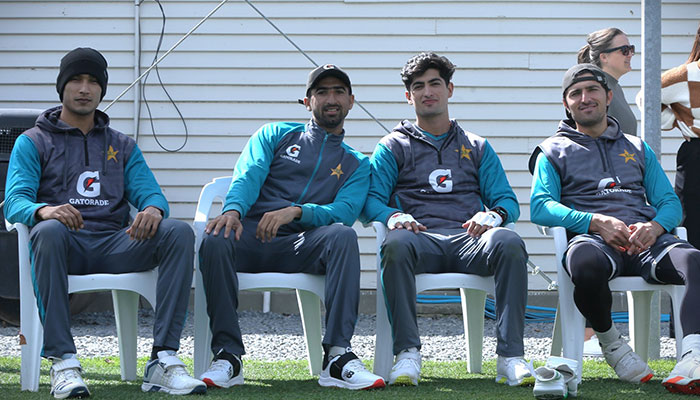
{"points": [[610, 50], [680, 108]]}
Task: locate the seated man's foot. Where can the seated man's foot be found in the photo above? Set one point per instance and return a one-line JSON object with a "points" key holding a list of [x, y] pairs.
{"points": [[168, 374], [225, 371], [348, 372], [406, 370], [627, 364], [66, 380], [514, 371], [685, 376]]}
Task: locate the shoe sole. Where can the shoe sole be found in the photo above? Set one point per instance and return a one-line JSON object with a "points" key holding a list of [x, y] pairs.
{"points": [[680, 384], [149, 387], [333, 382], [235, 381], [404, 380], [76, 393]]}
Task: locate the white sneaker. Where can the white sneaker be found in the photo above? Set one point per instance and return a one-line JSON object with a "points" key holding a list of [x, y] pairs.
{"points": [[66, 382], [685, 376], [348, 372], [627, 364], [549, 384], [406, 370], [168, 374], [222, 374], [514, 371]]}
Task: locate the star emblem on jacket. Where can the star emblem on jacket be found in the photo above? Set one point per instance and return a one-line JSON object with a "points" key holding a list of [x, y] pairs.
{"points": [[464, 152], [112, 154], [337, 171], [628, 156]]}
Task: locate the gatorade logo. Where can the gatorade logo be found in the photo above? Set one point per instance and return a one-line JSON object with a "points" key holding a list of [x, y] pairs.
{"points": [[293, 150], [89, 184], [441, 180]]}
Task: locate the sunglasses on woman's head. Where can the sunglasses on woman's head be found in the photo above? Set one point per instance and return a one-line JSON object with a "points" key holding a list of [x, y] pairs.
{"points": [[625, 49]]}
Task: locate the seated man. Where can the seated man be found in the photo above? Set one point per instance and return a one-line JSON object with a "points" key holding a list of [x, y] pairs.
{"points": [[428, 178], [296, 191], [71, 179], [610, 193]]}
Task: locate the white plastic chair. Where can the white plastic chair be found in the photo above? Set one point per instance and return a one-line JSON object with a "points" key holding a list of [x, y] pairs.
{"points": [[309, 289], [569, 328], [125, 288], [472, 289]]}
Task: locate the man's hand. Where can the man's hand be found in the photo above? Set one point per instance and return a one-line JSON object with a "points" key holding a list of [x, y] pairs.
{"points": [[643, 235], [65, 213], [404, 221], [272, 220], [145, 224], [612, 230], [230, 220], [482, 222]]}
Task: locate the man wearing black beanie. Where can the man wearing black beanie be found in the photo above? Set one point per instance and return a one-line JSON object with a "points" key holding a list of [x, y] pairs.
{"points": [[71, 179]]}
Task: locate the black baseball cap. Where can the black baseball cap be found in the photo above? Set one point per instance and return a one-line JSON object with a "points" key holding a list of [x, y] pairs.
{"points": [[324, 71], [572, 76]]}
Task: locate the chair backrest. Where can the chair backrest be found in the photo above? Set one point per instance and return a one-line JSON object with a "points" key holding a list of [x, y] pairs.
{"points": [[216, 189]]}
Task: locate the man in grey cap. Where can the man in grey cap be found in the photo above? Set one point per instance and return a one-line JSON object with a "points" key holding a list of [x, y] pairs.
{"points": [[296, 191], [71, 179], [610, 193]]}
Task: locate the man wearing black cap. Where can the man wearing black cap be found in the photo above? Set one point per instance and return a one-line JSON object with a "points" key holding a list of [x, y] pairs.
{"points": [[71, 179], [610, 193], [296, 191]]}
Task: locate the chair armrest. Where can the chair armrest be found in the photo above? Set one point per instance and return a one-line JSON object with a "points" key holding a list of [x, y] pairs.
{"points": [[681, 232]]}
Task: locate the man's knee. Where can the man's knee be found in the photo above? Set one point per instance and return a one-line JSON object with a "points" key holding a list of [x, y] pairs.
{"points": [[588, 265], [507, 241], [177, 229], [397, 241], [48, 232]]}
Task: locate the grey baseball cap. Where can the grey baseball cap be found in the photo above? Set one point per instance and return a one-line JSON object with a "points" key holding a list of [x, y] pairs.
{"points": [[572, 76]]}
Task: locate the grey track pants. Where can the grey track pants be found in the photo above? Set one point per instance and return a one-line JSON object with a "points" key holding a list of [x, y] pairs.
{"points": [[57, 252], [499, 252], [328, 250]]}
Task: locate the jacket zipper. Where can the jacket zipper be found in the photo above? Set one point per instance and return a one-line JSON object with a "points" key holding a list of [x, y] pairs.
{"points": [[85, 150], [313, 174]]}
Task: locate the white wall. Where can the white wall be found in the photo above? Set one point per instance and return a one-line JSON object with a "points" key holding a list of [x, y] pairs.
{"points": [[236, 73]]}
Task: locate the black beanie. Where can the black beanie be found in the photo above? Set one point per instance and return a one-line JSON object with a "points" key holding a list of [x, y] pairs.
{"points": [[82, 60]]}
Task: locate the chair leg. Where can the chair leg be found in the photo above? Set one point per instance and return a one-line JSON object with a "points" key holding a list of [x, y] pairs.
{"points": [[572, 322], [639, 303], [473, 301], [556, 335], [384, 341], [33, 333], [676, 299], [126, 305], [202, 334], [310, 311]]}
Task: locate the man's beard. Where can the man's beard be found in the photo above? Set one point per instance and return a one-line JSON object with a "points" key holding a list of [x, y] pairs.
{"points": [[329, 123]]}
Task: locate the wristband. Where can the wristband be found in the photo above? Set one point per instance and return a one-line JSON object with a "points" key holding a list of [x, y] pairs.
{"points": [[400, 218], [490, 218]]}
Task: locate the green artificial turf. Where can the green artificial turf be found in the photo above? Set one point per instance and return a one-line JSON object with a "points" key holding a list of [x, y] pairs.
{"points": [[291, 380]]}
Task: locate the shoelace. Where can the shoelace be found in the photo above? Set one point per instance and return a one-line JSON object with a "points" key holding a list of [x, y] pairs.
{"points": [[220, 365], [519, 366], [355, 365], [68, 374], [402, 363]]}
